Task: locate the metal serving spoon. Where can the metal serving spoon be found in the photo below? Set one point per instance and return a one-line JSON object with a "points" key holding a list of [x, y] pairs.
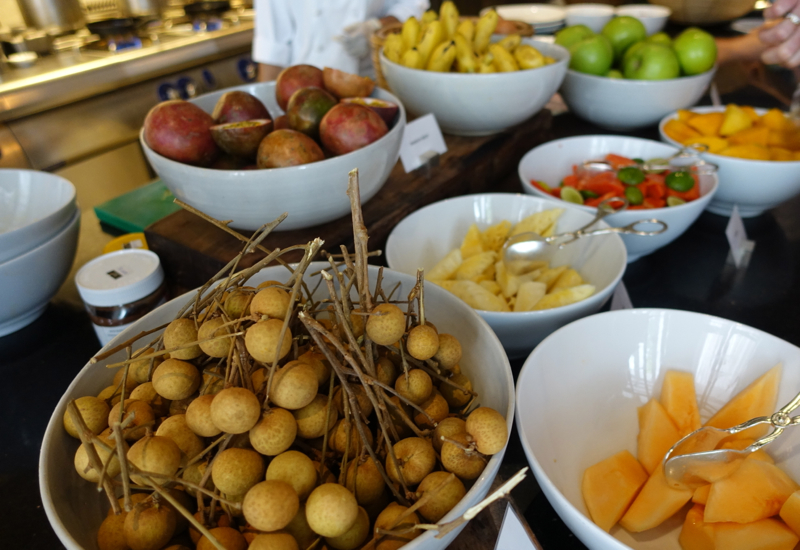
{"points": [[695, 460], [688, 156], [521, 249]]}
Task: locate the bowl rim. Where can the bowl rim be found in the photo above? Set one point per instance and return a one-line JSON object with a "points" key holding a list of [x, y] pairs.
{"points": [[642, 83], [71, 199], [657, 11], [527, 315], [724, 158], [539, 193], [62, 230], [397, 128], [598, 10]]}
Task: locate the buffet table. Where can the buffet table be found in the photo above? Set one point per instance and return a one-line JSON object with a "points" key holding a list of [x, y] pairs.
{"points": [[693, 273]]}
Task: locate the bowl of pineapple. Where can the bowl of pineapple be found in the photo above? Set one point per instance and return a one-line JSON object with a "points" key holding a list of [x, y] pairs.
{"points": [[757, 152]]}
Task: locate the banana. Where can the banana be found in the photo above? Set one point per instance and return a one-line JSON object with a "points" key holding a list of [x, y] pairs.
{"points": [[433, 36], [410, 33], [429, 16], [442, 57], [486, 64], [510, 42], [466, 29], [484, 30], [393, 48], [503, 60], [448, 15], [412, 59], [549, 60], [465, 57], [528, 57]]}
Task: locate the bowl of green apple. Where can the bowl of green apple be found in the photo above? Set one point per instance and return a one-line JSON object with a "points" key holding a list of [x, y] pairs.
{"points": [[622, 79]]}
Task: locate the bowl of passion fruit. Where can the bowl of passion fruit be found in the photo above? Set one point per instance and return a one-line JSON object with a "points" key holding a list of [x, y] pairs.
{"points": [[76, 510], [544, 168], [580, 393]]}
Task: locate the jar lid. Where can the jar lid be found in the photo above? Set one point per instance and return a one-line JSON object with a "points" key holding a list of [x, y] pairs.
{"points": [[119, 277]]}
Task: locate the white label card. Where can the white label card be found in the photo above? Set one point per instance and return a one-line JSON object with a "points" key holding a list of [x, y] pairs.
{"points": [[513, 535], [620, 299], [422, 140], [737, 238]]}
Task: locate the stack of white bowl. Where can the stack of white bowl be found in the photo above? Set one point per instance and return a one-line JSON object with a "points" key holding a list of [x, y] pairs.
{"points": [[39, 222]]}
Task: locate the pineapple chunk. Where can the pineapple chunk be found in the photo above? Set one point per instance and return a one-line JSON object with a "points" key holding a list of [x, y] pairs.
{"points": [[565, 297], [472, 243], [446, 267], [539, 222], [478, 297], [475, 265], [495, 236], [528, 295]]}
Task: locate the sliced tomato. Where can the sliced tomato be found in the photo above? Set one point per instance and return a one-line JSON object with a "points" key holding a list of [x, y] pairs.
{"points": [[597, 200], [654, 203], [618, 161], [571, 181], [603, 183]]}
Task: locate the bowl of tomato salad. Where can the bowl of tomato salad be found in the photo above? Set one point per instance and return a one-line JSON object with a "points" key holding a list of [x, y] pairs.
{"points": [[580, 172]]}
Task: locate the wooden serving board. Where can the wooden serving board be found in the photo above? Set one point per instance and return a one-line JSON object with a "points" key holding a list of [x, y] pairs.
{"points": [[193, 250]]}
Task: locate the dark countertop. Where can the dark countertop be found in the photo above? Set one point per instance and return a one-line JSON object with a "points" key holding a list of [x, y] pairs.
{"points": [[39, 362]]}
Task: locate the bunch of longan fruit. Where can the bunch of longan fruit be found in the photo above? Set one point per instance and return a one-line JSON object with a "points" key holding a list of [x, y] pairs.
{"points": [[261, 418]]}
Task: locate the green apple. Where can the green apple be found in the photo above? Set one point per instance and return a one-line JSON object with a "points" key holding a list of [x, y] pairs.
{"points": [[651, 62], [696, 51], [593, 55], [614, 73], [623, 32], [572, 35], [631, 51], [660, 38]]}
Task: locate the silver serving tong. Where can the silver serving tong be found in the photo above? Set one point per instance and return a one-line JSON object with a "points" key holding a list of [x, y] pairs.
{"points": [[522, 249], [695, 460], [686, 157]]}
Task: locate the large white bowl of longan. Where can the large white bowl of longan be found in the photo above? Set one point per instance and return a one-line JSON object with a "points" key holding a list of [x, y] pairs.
{"points": [[282, 460]]}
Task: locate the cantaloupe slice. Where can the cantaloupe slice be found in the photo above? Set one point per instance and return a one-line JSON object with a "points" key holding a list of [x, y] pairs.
{"points": [[790, 512], [700, 495], [679, 400], [695, 533], [765, 534], [756, 490], [741, 444], [656, 502], [657, 433], [610, 486], [757, 399]]}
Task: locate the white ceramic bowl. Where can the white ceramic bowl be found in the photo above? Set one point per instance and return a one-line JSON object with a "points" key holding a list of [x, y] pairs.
{"points": [[541, 17], [478, 104], [312, 194], [552, 161], [29, 281], [75, 509], [426, 236], [623, 104], [579, 390], [594, 16], [34, 206], [652, 17], [753, 185]]}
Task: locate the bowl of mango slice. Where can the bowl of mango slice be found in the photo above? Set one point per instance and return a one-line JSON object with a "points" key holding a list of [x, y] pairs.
{"points": [[757, 152]]}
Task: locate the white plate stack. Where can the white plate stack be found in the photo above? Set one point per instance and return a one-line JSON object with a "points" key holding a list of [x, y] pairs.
{"points": [[544, 18]]}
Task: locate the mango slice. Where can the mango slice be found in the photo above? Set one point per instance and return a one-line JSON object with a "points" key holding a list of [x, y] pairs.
{"points": [[735, 120], [610, 486], [680, 131], [707, 124]]}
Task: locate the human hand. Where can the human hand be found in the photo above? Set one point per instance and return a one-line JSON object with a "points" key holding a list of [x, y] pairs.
{"points": [[355, 37], [783, 37]]}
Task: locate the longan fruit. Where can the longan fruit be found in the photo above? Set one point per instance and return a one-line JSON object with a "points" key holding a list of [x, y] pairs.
{"points": [[94, 412], [110, 394], [211, 328], [149, 526], [228, 537], [211, 384], [261, 340], [274, 541], [416, 459], [111, 534], [445, 500], [385, 521], [386, 324], [354, 536], [270, 301], [188, 503], [326, 476], [300, 530], [194, 474], [271, 282], [422, 342], [294, 385], [338, 438], [270, 505], [400, 425], [179, 406], [179, 333], [235, 410], [235, 471], [467, 465], [447, 428], [175, 379], [320, 364], [140, 370], [488, 429], [198, 417], [311, 418], [436, 407], [365, 481], [156, 454], [221, 520], [176, 429], [130, 381], [257, 378], [147, 393], [143, 417], [237, 304], [386, 371], [82, 464], [296, 469], [274, 433], [449, 353], [417, 389], [455, 397], [331, 510], [364, 404], [357, 322], [136, 498]]}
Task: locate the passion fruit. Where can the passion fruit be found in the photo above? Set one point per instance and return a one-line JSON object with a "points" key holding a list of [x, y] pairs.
{"points": [[306, 108], [292, 79], [342, 84], [283, 148], [281, 123], [385, 109], [181, 131], [348, 127], [238, 106], [241, 139]]}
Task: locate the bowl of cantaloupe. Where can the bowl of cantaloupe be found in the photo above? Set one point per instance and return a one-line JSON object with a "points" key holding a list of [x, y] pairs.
{"points": [[757, 152], [601, 400]]}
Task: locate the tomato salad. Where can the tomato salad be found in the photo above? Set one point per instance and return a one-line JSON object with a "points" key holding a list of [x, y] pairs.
{"points": [[627, 178]]}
